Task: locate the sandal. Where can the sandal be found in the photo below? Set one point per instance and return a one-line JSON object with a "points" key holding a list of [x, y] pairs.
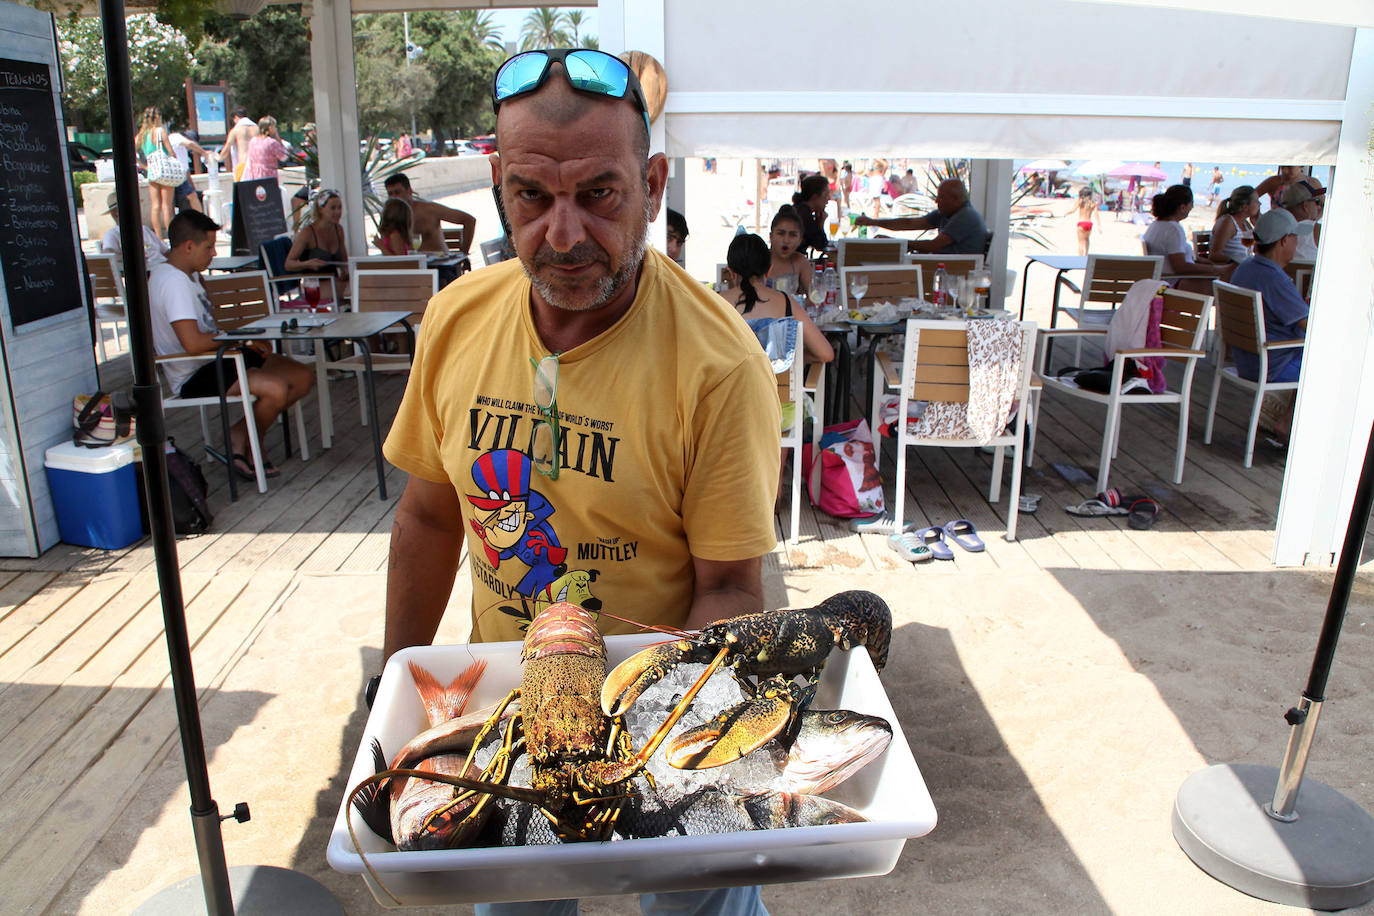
{"points": [[1143, 513], [962, 532], [1028, 503], [244, 468], [934, 539], [909, 547], [1093, 508], [882, 523]]}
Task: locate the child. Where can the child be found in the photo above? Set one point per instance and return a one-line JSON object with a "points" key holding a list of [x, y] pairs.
{"points": [[394, 227]]}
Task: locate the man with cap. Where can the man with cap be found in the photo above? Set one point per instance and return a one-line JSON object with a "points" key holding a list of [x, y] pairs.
{"points": [[154, 249], [1305, 199], [1285, 312]]}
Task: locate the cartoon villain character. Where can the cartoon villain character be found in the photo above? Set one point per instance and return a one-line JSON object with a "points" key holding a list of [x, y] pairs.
{"points": [[512, 520]]}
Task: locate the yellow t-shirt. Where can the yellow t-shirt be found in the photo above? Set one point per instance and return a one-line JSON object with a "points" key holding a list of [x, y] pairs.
{"points": [[669, 447]]}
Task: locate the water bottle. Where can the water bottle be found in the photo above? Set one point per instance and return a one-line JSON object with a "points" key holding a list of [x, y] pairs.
{"points": [[940, 287], [831, 285]]}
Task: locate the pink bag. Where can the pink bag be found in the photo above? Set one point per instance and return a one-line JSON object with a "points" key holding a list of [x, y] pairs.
{"points": [[845, 483]]}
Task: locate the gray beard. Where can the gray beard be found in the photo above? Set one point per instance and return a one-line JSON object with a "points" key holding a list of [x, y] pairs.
{"points": [[607, 288]]}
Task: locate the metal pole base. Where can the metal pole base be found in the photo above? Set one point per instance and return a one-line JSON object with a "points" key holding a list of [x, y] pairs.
{"points": [[258, 890], [1324, 860]]}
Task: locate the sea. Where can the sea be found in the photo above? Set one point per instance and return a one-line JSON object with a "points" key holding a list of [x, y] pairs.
{"points": [[1234, 174]]}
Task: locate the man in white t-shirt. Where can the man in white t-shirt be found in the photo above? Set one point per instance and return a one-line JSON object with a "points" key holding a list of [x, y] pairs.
{"points": [[182, 323], [1305, 199], [183, 147], [154, 248]]}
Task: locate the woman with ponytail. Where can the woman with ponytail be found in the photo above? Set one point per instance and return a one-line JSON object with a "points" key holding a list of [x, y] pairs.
{"points": [[1235, 224], [810, 203], [1165, 237], [748, 258]]}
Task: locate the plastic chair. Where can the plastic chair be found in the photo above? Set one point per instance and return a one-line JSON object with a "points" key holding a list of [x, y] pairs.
{"points": [[238, 372], [1182, 331], [935, 368], [496, 250], [1105, 283], [107, 299], [790, 387], [1240, 317], [856, 252]]}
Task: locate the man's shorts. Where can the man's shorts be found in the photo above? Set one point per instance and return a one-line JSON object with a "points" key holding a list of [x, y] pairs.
{"points": [[183, 194], [204, 382]]}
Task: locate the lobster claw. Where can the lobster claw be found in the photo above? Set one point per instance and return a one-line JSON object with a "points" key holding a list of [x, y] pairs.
{"points": [[739, 730], [636, 674]]}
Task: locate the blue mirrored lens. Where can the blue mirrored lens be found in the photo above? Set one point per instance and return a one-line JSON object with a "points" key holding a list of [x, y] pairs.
{"points": [[520, 74], [596, 71]]}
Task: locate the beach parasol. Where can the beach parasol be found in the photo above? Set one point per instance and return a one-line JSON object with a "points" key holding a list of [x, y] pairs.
{"points": [[260, 889], [1240, 823], [1094, 168], [1137, 170], [1044, 165]]}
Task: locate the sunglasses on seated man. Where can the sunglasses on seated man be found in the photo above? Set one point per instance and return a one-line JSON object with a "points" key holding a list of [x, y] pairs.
{"points": [[590, 71]]}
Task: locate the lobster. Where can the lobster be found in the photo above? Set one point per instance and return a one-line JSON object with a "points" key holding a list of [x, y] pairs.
{"points": [[777, 646], [581, 759]]}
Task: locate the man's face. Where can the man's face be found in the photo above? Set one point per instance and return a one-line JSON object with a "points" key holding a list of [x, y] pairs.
{"points": [[202, 252], [399, 190], [675, 243], [1312, 209], [577, 196], [948, 199]]}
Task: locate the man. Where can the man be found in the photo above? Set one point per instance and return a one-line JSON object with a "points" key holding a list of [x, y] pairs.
{"points": [[658, 472], [182, 323], [961, 229], [1214, 186], [426, 216], [237, 140], [154, 248], [1276, 184], [1285, 312], [1188, 175], [677, 237], [1305, 199], [309, 147]]}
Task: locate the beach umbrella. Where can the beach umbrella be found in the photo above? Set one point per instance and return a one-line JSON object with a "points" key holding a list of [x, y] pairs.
{"points": [[1044, 165], [1094, 168], [1137, 170], [1240, 823], [261, 889]]}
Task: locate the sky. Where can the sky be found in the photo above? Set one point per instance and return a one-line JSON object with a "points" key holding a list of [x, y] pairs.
{"points": [[508, 21]]}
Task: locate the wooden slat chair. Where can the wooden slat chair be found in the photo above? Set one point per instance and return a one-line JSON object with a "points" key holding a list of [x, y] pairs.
{"points": [[1105, 284], [382, 262], [1202, 244], [376, 291], [244, 298], [886, 283], [1183, 332], [495, 251], [453, 237], [935, 368], [857, 252], [1301, 273], [956, 265], [1240, 317], [107, 299]]}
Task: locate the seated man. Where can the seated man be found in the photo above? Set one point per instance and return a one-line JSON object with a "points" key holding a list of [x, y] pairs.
{"points": [[425, 218], [1305, 199], [961, 228], [154, 248], [182, 323], [1285, 312]]}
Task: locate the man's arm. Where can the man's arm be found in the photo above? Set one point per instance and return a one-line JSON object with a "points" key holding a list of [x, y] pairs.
{"points": [[466, 220], [724, 589], [932, 246], [900, 223], [426, 543]]}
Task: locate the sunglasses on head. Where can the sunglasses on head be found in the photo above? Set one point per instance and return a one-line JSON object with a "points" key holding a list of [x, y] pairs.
{"points": [[587, 70]]}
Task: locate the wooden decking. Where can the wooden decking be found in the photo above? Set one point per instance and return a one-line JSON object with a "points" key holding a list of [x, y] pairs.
{"points": [[83, 668]]}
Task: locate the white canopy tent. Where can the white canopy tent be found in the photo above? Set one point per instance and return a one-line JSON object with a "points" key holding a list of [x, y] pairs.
{"points": [[994, 80]]}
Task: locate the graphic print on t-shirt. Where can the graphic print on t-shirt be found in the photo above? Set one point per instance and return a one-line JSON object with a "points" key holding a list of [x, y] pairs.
{"points": [[517, 523]]}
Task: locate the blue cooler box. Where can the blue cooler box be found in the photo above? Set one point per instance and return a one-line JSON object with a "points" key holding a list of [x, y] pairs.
{"points": [[95, 494]]}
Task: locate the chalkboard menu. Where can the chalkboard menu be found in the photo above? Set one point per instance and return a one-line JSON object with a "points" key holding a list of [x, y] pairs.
{"points": [[258, 215], [37, 250]]}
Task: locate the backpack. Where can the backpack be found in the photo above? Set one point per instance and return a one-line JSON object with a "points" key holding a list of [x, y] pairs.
{"points": [[188, 490]]}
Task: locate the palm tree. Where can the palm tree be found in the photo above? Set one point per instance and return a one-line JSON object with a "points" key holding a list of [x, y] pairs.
{"points": [[573, 20], [543, 28], [480, 25]]}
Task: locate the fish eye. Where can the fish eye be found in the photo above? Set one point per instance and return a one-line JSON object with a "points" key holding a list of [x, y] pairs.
{"points": [[834, 717]]}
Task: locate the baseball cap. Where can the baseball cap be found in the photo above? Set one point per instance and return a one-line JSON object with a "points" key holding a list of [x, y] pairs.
{"points": [[1274, 225], [112, 201], [1300, 192]]}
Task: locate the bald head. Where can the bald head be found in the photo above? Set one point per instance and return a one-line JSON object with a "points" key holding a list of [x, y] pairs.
{"points": [[950, 196], [558, 105]]}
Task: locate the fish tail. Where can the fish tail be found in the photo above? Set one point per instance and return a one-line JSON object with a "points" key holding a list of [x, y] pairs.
{"points": [[445, 702], [373, 801]]}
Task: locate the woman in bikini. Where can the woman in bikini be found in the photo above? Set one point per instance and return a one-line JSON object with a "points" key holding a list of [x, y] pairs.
{"points": [[1087, 206], [395, 227], [748, 259], [320, 246], [786, 261]]}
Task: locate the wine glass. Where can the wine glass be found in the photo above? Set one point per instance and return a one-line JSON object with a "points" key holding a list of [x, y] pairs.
{"points": [[311, 288], [858, 288]]}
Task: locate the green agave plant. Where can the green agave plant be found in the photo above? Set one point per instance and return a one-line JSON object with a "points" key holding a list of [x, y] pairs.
{"points": [[377, 168]]}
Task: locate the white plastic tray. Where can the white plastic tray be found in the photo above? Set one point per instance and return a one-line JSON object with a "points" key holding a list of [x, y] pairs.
{"points": [[889, 791]]}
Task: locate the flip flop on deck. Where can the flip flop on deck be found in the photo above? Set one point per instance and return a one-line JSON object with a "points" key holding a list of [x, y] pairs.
{"points": [[962, 532], [1143, 513], [909, 547], [934, 539], [1108, 502], [244, 467]]}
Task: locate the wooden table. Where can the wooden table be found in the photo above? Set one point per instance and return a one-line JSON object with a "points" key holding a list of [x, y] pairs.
{"points": [[354, 326]]}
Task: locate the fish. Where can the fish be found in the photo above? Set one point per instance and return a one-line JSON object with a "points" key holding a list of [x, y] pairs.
{"points": [[832, 745], [658, 813]]}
